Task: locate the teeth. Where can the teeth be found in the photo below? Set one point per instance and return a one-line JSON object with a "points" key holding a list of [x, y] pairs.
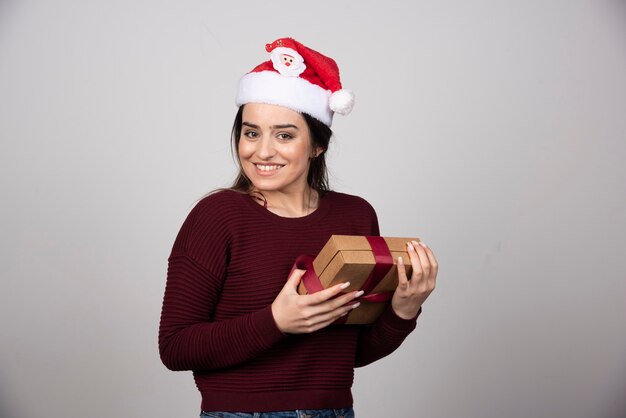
{"points": [[268, 167]]}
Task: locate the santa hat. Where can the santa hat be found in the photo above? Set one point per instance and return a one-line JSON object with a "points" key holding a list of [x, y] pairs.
{"points": [[299, 78]]}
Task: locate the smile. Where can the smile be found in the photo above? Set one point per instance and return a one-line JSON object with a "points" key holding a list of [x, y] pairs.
{"points": [[268, 167]]}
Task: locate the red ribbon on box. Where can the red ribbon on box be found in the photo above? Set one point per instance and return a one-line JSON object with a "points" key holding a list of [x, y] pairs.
{"points": [[384, 262]]}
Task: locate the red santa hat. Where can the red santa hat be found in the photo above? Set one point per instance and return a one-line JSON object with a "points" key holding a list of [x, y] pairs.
{"points": [[299, 78]]}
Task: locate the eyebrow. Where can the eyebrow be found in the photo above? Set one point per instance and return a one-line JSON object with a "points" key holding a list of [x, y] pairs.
{"points": [[283, 126]]}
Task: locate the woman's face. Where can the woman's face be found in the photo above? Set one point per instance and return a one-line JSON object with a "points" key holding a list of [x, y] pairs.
{"points": [[275, 148]]}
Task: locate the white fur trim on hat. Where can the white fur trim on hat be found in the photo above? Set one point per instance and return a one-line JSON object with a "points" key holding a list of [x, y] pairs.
{"points": [[293, 92]]}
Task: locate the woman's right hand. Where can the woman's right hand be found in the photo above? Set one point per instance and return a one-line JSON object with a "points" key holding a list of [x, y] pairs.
{"points": [[300, 314]]}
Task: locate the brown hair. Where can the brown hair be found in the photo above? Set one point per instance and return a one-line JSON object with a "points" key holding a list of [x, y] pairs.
{"points": [[317, 177]]}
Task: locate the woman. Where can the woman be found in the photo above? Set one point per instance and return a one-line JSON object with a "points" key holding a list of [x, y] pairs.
{"points": [[230, 312]]}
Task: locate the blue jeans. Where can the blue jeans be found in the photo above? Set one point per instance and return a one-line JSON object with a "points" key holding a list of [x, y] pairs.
{"points": [[300, 413]]}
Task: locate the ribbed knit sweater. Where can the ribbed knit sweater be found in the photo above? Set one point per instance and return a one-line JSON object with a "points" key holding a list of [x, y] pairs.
{"points": [[230, 260]]}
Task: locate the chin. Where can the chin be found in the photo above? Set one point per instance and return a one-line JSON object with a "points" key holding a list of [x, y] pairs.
{"points": [[265, 186]]}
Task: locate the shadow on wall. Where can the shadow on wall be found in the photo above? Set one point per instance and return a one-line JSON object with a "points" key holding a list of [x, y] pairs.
{"points": [[6, 411], [615, 405]]}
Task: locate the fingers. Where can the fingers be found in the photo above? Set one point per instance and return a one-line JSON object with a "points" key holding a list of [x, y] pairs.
{"points": [[327, 301], [434, 266], [407, 302], [294, 280], [327, 294], [423, 260], [295, 313], [419, 260], [403, 281], [315, 317], [328, 304], [327, 318], [329, 309]]}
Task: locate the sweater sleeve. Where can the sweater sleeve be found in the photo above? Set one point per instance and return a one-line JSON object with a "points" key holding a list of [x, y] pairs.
{"points": [[188, 337], [383, 337], [386, 334]]}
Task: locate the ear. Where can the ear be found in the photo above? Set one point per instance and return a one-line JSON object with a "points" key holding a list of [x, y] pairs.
{"points": [[317, 151]]}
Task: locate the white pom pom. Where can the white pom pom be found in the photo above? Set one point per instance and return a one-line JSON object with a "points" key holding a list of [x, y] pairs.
{"points": [[342, 101]]}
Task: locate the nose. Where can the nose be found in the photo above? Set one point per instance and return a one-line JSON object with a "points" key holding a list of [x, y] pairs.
{"points": [[265, 150]]}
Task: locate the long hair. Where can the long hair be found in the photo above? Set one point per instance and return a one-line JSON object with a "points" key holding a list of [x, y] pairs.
{"points": [[317, 177]]}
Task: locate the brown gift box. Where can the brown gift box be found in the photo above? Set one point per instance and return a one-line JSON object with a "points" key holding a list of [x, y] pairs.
{"points": [[348, 258]]}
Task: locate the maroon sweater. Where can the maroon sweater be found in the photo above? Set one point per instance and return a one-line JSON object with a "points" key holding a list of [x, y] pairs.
{"points": [[229, 261]]}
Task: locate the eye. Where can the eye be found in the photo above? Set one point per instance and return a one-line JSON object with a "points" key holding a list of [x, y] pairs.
{"points": [[284, 136], [251, 134]]}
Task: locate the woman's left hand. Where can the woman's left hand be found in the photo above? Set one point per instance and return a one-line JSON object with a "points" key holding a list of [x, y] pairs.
{"points": [[412, 292]]}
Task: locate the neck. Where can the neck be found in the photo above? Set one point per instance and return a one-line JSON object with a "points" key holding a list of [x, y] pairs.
{"points": [[292, 204]]}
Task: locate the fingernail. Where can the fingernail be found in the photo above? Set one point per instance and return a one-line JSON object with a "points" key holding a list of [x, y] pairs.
{"points": [[359, 293], [356, 305], [411, 247], [345, 285], [400, 260]]}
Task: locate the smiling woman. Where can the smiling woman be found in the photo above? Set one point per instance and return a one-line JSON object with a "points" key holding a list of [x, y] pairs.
{"points": [[231, 311], [319, 135], [276, 152]]}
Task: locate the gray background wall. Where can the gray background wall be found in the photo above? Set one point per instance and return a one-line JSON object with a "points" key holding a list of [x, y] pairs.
{"points": [[494, 130]]}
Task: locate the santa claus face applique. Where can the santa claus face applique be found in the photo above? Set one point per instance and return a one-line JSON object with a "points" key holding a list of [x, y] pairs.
{"points": [[286, 59], [287, 62]]}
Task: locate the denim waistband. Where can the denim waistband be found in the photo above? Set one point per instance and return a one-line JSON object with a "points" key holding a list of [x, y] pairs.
{"points": [[300, 413]]}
